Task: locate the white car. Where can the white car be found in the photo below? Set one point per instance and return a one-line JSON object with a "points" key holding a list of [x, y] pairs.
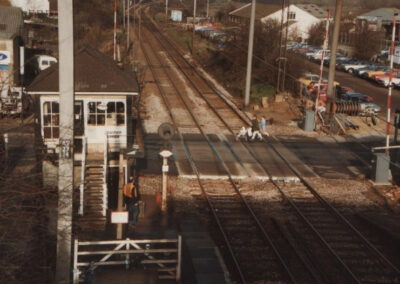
{"points": [[318, 55], [350, 68], [385, 82]]}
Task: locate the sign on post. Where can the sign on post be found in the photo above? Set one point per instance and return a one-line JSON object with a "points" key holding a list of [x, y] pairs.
{"points": [[119, 217]]}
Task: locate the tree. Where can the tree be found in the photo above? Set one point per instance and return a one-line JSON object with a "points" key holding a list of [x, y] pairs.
{"points": [[367, 44], [316, 34], [5, 3]]}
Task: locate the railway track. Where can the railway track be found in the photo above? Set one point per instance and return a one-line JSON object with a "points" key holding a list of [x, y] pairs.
{"points": [[254, 255], [352, 257]]}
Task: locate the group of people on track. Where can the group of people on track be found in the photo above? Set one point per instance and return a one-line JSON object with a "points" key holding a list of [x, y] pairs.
{"points": [[254, 131]]}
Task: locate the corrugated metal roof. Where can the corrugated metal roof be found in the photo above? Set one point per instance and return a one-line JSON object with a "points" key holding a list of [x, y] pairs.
{"points": [[94, 72], [313, 9], [11, 21], [384, 14], [262, 10]]}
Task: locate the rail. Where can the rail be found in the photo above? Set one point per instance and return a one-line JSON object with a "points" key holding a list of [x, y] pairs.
{"points": [[165, 255], [105, 171], [83, 172]]}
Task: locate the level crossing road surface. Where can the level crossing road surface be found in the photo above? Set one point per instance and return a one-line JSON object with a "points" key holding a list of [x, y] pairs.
{"points": [[325, 157]]}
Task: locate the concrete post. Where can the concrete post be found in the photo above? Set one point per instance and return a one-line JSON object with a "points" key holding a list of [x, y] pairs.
{"points": [[332, 63], [250, 54], [66, 154], [165, 154], [164, 184], [121, 182]]}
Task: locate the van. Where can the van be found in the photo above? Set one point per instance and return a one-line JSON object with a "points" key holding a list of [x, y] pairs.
{"points": [[42, 62]]}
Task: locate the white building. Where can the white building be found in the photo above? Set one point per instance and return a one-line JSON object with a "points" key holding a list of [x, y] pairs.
{"points": [[32, 6], [300, 18]]}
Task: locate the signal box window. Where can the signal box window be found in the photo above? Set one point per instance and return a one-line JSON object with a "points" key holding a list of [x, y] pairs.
{"points": [[97, 114], [51, 116]]}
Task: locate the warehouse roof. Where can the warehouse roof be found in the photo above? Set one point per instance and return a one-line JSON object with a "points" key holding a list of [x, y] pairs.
{"points": [[11, 21], [313, 9], [94, 73], [384, 14], [262, 10]]}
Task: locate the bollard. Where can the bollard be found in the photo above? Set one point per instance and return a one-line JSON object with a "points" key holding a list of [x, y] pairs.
{"points": [[6, 146], [396, 126], [309, 120], [381, 168]]}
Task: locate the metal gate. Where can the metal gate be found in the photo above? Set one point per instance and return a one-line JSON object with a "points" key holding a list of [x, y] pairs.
{"points": [[162, 254]]}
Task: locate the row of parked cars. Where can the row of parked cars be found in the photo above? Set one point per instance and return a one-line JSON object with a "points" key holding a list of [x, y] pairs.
{"points": [[373, 71], [342, 94]]}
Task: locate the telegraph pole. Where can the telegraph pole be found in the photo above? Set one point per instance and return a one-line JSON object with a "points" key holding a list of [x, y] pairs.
{"points": [[250, 54], [128, 23], [66, 153], [285, 47], [123, 13], [278, 89], [115, 30], [194, 24], [332, 63], [166, 10]]}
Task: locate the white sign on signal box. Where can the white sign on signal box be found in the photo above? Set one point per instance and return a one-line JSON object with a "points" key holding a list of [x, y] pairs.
{"points": [[4, 57], [119, 217]]}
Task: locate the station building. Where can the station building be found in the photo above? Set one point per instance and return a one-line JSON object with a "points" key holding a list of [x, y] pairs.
{"points": [[105, 123]]}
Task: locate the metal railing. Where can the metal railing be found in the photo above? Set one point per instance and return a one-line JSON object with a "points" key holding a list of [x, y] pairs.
{"points": [[163, 254], [105, 170], [83, 172]]}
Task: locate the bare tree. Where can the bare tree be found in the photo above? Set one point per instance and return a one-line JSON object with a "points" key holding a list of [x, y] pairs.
{"points": [[316, 34], [367, 44]]}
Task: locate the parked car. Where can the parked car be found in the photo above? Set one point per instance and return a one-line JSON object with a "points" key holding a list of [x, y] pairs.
{"points": [[385, 82], [318, 55], [366, 106], [396, 74], [363, 72], [355, 97], [352, 66], [342, 90], [309, 77], [369, 75], [312, 51]]}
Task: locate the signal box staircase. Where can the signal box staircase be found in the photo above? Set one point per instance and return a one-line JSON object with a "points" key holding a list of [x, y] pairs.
{"points": [[94, 197]]}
